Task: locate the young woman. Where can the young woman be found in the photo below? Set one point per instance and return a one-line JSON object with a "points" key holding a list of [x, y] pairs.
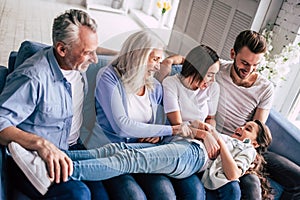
{"points": [[178, 159], [191, 95]]}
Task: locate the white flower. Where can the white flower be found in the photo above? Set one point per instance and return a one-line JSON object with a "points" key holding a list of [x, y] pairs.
{"points": [[276, 67]]}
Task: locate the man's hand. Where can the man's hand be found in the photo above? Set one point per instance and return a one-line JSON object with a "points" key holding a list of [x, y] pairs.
{"points": [[59, 165]]}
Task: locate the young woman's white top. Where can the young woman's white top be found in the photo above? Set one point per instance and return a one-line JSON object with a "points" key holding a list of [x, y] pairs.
{"points": [[196, 104]]}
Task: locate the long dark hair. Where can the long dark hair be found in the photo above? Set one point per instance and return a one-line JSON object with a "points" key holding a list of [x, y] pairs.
{"points": [[264, 139]]}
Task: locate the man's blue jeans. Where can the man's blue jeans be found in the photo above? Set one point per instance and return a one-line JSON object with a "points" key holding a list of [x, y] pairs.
{"points": [[178, 159], [64, 191]]}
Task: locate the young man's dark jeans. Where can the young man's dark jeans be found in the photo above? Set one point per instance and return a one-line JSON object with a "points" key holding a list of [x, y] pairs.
{"points": [[286, 173], [281, 170]]}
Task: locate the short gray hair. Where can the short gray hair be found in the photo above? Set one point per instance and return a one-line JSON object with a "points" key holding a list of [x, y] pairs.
{"points": [[66, 26]]}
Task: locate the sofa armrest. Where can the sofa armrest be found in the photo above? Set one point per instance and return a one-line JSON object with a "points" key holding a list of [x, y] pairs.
{"points": [[3, 183], [286, 137]]}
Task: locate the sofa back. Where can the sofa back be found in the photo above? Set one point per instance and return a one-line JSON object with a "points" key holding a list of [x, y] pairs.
{"points": [[3, 74], [286, 136]]}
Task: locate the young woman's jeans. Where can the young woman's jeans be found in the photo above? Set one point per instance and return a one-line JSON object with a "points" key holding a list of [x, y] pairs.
{"points": [[140, 187], [230, 191], [178, 159], [189, 188]]}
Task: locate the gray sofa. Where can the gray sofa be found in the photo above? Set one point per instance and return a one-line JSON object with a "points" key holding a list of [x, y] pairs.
{"points": [[286, 137]]}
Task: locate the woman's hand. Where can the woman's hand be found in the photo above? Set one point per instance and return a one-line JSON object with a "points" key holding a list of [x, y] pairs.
{"points": [[183, 130], [201, 125], [152, 140]]}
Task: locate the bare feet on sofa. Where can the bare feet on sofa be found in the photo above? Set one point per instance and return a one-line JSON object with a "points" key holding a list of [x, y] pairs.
{"points": [[32, 166]]}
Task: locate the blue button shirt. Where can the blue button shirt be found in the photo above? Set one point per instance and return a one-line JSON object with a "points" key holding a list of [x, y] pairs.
{"points": [[37, 99]]}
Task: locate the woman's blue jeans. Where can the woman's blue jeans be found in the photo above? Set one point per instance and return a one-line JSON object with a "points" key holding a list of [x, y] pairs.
{"points": [[229, 191], [178, 159]]}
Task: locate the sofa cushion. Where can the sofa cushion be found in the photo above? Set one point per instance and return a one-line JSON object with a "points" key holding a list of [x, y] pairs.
{"points": [[12, 60], [26, 50], [3, 74], [89, 113]]}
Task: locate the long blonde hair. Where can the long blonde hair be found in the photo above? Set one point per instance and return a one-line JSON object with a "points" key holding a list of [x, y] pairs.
{"points": [[133, 60]]}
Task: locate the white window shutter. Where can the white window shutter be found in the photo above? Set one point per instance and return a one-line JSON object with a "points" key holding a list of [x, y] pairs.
{"points": [[215, 23], [240, 22]]}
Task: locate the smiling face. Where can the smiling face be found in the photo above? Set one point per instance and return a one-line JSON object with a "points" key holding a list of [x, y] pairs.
{"points": [[153, 64], [250, 130], [245, 62], [210, 76], [207, 80], [81, 54]]}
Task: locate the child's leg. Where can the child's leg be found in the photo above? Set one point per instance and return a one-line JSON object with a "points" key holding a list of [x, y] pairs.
{"points": [[105, 151], [179, 159]]}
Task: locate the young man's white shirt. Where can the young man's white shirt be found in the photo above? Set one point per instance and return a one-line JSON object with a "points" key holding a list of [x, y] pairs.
{"points": [[238, 104]]}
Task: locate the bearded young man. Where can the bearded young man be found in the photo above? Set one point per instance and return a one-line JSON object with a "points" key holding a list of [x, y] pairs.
{"points": [[246, 95]]}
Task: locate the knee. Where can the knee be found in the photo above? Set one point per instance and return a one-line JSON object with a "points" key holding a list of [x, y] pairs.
{"points": [[78, 192], [249, 180], [189, 188], [231, 190], [250, 186], [124, 187], [156, 186], [234, 189]]}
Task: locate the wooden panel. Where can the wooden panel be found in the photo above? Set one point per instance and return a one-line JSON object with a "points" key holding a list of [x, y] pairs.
{"points": [[197, 17], [183, 14], [240, 22], [216, 24]]}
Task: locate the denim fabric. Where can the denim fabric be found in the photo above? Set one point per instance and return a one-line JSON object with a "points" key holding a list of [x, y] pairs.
{"points": [[250, 187], [230, 191], [75, 190], [189, 188], [124, 187], [176, 69], [96, 187], [284, 172], [179, 159], [276, 189], [156, 186], [97, 190]]}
